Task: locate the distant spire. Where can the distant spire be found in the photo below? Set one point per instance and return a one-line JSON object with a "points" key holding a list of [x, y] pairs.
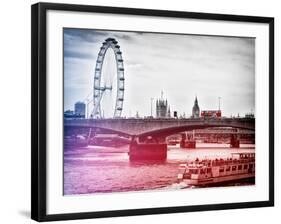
{"points": [[161, 94], [169, 111], [196, 102], [195, 109]]}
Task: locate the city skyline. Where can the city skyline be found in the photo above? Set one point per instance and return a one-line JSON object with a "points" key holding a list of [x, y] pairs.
{"points": [[183, 66]]}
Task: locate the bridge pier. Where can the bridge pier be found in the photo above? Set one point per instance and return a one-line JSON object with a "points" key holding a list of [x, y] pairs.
{"points": [[147, 151], [234, 142], [189, 143]]}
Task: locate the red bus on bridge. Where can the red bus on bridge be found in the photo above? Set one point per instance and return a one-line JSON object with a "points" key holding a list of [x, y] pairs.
{"points": [[211, 113]]}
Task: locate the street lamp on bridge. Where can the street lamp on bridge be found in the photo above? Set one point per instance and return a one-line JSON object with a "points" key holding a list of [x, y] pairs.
{"points": [[151, 105]]}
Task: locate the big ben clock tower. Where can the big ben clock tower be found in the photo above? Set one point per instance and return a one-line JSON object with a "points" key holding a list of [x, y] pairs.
{"points": [[196, 109]]}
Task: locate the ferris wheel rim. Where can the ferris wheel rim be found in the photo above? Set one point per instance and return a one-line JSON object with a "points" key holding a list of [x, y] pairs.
{"points": [[98, 90]]}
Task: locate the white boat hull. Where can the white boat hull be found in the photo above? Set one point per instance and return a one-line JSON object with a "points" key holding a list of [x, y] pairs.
{"points": [[214, 180]]}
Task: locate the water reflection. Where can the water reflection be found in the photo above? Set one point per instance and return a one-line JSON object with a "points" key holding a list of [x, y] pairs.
{"points": [[104, 169]]}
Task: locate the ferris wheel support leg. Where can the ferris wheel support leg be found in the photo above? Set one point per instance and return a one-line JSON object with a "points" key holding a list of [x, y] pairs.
{"points": [[97, 106], [89, 136]]}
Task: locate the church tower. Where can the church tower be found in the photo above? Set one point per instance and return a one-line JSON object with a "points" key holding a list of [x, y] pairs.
{"points": [[162, 107], [195, 109]]}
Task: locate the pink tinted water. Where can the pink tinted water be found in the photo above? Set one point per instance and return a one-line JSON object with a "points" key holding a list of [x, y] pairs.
{"points": [[104, 169]]}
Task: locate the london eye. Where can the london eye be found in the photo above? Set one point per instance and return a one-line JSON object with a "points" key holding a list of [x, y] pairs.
{"points": [[108, 90]]}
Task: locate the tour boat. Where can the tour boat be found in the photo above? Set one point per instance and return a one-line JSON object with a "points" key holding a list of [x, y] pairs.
{"points": [[212, 171]]}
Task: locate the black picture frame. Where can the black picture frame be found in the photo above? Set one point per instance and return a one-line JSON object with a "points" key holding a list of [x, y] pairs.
{"points": [[39, 121]]}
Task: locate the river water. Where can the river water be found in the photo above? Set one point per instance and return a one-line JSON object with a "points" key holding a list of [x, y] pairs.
{"points": [[97, 169]]}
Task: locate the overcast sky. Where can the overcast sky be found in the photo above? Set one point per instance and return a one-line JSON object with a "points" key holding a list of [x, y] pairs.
{"points": [[183, 66]]}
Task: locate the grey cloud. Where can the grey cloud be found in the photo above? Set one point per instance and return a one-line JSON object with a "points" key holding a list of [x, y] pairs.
{"points": [[182, 65]]}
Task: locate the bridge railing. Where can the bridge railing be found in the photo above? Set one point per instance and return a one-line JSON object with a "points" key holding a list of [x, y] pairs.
{"points": [[142, 126]]}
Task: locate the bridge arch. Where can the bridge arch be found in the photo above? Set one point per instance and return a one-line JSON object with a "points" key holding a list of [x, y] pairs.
{"points": [[156, 127], [165, 132], [109, 130]]}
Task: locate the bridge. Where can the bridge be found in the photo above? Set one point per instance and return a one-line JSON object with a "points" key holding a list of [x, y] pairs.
{"points": [[159, 127], [148, 136], [223, 131]]}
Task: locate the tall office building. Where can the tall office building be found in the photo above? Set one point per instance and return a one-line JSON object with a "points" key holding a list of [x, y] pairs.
{"points": [[80, 109]]}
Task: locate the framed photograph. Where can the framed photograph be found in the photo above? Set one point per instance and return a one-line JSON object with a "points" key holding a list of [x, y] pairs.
{"points": [[139, 111]]}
